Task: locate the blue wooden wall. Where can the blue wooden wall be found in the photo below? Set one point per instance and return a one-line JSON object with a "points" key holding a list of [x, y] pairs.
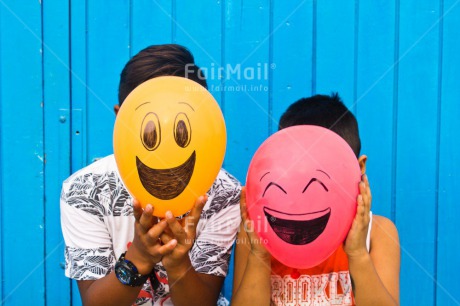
{"points": [[396, 63]]}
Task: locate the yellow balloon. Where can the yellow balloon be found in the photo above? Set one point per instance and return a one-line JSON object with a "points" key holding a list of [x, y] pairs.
{"points": [[169, 143]]}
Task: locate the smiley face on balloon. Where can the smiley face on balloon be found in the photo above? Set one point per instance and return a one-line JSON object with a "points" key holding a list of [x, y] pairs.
{"points": [[302, 186], [166, 183], [169, 143]]}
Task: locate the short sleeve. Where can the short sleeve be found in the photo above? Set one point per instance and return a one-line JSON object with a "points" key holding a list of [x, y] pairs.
{"points": [[220, 221], [88, 252]]}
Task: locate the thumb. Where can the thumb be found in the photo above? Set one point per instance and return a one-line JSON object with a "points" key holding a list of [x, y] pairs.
{"points": [[191, 221], [243, 207], [137, 209], [247, 223]]}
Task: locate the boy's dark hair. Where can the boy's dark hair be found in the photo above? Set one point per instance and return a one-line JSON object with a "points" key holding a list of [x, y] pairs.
{"points": [[155, 61], [325, 111]]}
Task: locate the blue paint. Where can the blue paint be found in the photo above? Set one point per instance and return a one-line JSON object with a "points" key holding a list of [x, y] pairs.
{"points": [[108, 33], [335, 52], [374, 96], [150, 24], [447, 292], [78, 81], [56, 93], [78, 71], [291, 79], [416, 147], [395, 64], [23, 231], [246, 81], [1, 167], [204, 41]]}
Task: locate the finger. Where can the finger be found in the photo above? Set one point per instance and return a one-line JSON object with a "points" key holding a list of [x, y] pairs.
{"points": [[147, 219], [365, 179], [366, 203], [168, 230], [362, 213], [368, 188], [175, 227], [247, 223], [167, 248], [165, 238], [243, 208], [191, 221], [354, 225], [137, 209], [244, 211], [360, 209], [365, 192], [362, 191], [155, 232], [359, 214]]}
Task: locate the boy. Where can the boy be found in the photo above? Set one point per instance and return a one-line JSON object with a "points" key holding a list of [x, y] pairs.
{"points": [[121, 255], [358, 272]]}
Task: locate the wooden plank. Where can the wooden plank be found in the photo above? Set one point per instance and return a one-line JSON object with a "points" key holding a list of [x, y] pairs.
{"points": [[292, 60], [335, 50], [417, 116], [107, 52], [100, 48], [151, 24], [447, 292], [22, 150], [56, 65], [374, 97], [245, 83], [201, 33], [78, 83], [194, 31], [2, 251], [78, 79]]}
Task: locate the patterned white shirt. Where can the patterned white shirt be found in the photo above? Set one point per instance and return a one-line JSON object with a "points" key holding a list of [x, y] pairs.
{"points": [[98, 224]]}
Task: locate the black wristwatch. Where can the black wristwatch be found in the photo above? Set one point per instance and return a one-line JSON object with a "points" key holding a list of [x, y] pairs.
{"points": [[128, 274]]}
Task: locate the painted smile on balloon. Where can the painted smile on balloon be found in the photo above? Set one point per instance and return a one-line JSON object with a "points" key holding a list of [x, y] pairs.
{"points": [[166, 184], [297, 229]]}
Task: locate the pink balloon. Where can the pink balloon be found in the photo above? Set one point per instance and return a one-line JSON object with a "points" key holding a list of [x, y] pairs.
{"points": [[301, 192]]}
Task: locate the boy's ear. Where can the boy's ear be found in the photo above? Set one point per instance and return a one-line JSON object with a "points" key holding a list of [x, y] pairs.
{"points": [[362, 163], [116, 108]]}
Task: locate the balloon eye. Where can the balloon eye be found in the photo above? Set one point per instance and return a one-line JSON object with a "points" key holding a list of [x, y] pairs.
{"points": [[151, 132], [182, 130]]}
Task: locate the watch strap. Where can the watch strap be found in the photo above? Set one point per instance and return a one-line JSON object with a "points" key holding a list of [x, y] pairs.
{"points": [[135, 278]]}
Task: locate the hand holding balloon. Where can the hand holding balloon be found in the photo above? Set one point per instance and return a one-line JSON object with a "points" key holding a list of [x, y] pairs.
{"points": [[184, 234], [355, 244], [146, 248], [257, 244]]}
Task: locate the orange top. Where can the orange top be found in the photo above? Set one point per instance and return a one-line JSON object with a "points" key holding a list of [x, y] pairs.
{"points": [[328, 283]]}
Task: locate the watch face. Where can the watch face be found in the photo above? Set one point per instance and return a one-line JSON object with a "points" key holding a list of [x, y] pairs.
{"points": [[124, 273], [127, 274]]}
